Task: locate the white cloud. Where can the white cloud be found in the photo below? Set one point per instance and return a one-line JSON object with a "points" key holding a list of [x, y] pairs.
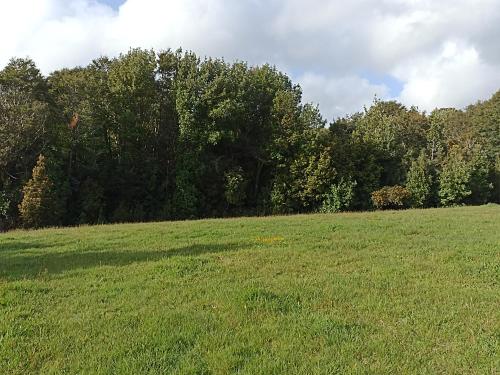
{"points": [[339, 96], [444, 52], [52, 32], [448, 78]]}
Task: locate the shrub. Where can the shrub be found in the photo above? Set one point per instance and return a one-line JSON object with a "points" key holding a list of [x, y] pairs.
{"points": [[235, 187], [340, 197], [391, 197], [279, 198]]}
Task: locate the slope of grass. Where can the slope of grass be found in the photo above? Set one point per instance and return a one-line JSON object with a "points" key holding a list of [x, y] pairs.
{"points": [[385, 292]]}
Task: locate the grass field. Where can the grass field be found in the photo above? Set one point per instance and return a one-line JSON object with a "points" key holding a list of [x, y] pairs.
{"points": [[384, 292]]}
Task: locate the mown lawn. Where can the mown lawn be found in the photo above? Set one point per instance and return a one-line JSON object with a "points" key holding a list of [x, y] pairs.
{"points": [[384, 292]]}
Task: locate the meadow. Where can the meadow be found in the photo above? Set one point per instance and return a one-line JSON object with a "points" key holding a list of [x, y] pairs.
{"points": [[400, 292]]}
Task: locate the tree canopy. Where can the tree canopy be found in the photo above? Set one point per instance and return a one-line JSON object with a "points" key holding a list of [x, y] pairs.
{"points": [[153, 136]]}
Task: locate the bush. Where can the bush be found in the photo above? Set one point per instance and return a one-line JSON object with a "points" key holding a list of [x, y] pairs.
{"points": [[391, 197], [340, 197], [235, 187]]}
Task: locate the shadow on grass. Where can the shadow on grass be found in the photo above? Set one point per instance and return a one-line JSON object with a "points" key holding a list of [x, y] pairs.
{"points": [[19, 246], [29, 265]]}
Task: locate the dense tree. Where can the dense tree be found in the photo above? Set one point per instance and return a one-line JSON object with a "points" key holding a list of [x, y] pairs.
{"points": [[480, 183], [496, 179], [24, 117], [396, 134], [485, 118], [151, 136]]}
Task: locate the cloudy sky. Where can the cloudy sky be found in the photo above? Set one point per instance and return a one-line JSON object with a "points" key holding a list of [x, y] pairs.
{"points": [[423, 52]]}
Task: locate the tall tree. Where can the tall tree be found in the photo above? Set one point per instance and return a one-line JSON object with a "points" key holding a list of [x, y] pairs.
{"points": [[24, 117]]}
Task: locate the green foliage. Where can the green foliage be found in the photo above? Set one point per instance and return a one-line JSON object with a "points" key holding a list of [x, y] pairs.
{"points": [[4, 204], [235, 187], [454, 180], [449, 127], [186, 196], [480, 183], [92, 203], [391, 197], [396, 135], [4, 209], [41, 206], [419, 181], [152, 136], [23, 112], [121, 214], [465, 178], [485, 118], [340, 197], [278, 199], [24, 115], [301, 183], [496, 180]]}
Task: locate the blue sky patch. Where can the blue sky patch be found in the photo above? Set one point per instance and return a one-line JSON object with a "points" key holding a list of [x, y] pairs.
{"points": [[112, 3], [395, 85]]}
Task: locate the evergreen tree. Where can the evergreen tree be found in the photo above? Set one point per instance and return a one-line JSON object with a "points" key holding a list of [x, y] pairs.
{"points": [[41, 206]]}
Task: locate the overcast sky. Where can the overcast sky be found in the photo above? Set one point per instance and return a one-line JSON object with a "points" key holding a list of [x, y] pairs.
{"points": [[422, 52]]}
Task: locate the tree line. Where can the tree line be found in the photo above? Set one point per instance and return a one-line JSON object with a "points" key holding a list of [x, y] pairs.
{"points": [[160, 136]]}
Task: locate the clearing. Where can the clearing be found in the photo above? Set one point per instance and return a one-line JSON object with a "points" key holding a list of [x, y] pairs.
{"points": [[413, 291]]}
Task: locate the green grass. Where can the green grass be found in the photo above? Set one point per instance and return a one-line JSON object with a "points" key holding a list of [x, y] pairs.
{"points": [[384, 292]]}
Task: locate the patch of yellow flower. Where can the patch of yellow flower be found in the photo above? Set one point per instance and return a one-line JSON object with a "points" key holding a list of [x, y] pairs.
{"points": [[270, 240]]}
